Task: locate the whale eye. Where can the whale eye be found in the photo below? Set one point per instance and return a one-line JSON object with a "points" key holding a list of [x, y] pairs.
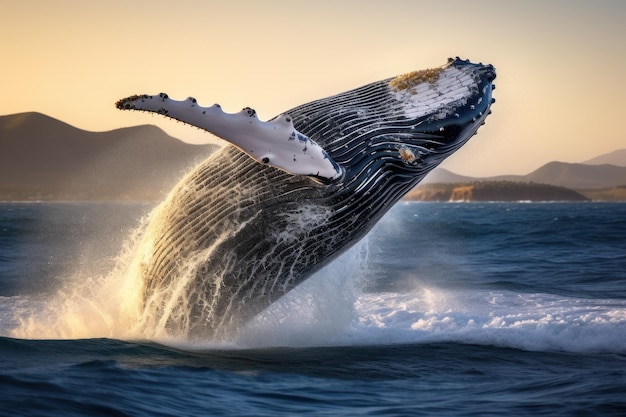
{"points": [[266, 160]]}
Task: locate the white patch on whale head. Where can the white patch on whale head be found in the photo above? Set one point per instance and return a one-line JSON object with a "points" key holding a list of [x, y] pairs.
{"points": [[436, 93]]}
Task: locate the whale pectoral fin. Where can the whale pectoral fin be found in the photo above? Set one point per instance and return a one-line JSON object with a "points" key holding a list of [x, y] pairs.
{"points": [[276, 142]]}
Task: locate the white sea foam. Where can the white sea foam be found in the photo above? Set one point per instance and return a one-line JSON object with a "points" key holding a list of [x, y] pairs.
{"points": [[525, 321], [329, 309]]}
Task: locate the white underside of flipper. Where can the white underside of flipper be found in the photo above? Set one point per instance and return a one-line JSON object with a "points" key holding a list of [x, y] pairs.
{"points": [[276, 142]]}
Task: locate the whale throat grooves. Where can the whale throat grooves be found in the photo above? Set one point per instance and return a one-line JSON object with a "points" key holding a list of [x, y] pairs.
{"points": [[236, 234], [203, 276]]}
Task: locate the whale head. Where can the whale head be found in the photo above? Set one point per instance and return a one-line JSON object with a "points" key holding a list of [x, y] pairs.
{"points": [[397, 130], [387, 136]]}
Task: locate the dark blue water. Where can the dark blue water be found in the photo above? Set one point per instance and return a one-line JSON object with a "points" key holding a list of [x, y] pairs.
{"points": [[444, 309]]}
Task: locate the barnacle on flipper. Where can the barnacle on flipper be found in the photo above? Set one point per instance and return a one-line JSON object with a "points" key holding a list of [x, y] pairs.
{"points": [[411, 79]]}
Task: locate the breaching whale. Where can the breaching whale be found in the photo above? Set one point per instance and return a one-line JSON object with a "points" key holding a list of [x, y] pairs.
{"points": [[260, 216]]}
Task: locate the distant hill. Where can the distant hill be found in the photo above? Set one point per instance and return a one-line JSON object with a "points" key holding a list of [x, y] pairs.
{"points": [[574, 176], [442, 175], [561, 174], [493, 191], [42, 158], [617, 157], [579, 176], [612, 194]]}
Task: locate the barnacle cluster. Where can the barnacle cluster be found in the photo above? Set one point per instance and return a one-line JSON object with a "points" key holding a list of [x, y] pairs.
{"points": [[411, 79], [407, 155]]}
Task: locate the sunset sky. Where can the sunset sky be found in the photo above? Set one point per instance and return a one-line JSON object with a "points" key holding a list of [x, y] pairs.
{"points": [[561, 65]]}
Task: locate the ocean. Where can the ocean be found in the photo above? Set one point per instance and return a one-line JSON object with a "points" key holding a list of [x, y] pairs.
{"points": [[444, 309]]}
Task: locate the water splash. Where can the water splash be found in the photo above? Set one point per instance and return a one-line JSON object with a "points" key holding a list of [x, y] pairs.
{"points": [[539, 322], [114, 304], [88, 305], [331, 308], [319, 311]]}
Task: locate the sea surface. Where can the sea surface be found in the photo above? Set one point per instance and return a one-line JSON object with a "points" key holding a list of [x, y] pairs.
{"points": [[444, 309]]}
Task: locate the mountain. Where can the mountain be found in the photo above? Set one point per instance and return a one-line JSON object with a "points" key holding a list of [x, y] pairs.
{"points": [[443, 176], [579, 176], [617, 157], [574, 176], [560, 174], [42, 158], [493, 191]]}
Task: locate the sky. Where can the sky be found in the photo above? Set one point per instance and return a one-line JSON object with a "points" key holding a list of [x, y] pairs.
{"points": [[560, 89]]}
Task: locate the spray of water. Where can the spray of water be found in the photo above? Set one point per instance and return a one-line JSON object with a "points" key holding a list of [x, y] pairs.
{"points": [[331, 309], [114, 305], [89, 305]]}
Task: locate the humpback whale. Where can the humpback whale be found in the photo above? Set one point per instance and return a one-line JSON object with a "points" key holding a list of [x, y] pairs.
{"points": [[287, 196]]}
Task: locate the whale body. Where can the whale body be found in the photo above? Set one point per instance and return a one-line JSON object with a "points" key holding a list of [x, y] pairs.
{"points": [[289, 195]]}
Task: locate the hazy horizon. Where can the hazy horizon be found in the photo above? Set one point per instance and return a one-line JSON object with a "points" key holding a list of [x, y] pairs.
{"points": [[560, 64]]}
